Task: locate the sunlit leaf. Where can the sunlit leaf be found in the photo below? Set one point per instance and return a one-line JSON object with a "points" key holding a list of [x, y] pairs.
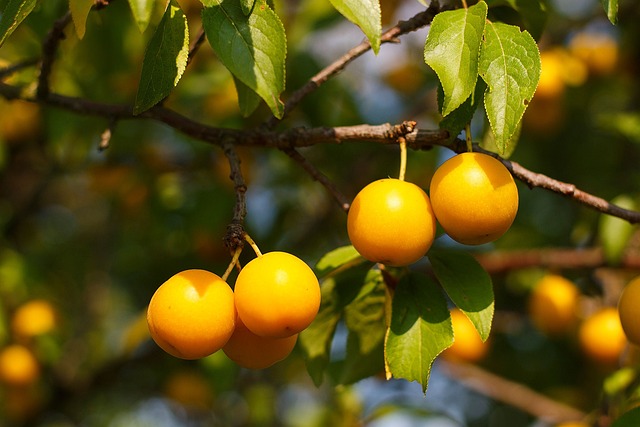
{"points": [[247, 6], [12, 15], [142, 11], [468, 285], [451, 50], [420, 329], [79, 11], [165, 59], [510, 65], [253, 48], [611, 9], [336, 259], [365, 14]]}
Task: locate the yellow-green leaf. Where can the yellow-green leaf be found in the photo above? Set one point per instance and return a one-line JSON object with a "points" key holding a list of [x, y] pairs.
{"points": [[79, 11]]}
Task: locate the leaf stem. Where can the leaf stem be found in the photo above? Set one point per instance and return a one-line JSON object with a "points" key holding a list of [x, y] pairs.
{"points": [[253, 245], [469, 139], [464, 4], [233, 263], [403, 158]]}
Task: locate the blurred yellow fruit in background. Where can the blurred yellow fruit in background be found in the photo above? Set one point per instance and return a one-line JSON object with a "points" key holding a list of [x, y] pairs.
{"points": [[553, 304]]}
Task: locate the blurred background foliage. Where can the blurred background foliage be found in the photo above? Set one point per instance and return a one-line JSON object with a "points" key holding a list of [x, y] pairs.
{"points": [[90, 233]]}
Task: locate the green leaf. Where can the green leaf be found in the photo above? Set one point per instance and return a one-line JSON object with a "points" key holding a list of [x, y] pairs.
{"points": [[337, 291], [366, 15], [510, 65], [337, 259], [451, 50], [614, 233], [13, 14], [142, 11], [468, 285], [489, 142], [79, 11], [247, 6], [611, 9], [420, 328], [365, 321], [628, 419], [248, 100], [253, 48], [456, 121], [533, 13], [164, 60]]}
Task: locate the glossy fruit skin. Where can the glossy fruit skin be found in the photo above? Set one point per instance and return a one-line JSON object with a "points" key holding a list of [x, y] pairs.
{"points": [[474, 198], [601, 336], [277, 295], [391, 222], [192, 315], [468, 346], [252, 351], [18, 366], [629, 310], [553, 305]]}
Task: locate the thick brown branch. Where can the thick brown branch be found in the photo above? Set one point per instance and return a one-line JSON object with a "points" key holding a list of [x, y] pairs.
{"points": [[403, 27], [305, 137], [512, 393]]}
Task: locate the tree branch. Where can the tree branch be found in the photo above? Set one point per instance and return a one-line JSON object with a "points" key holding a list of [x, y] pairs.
{"points": [[496, 262], [234, 237], [511, 393], [49, 48]]}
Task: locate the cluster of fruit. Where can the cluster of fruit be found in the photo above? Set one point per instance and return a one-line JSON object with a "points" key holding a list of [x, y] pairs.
{"points": [[603, 334], [472, 196], [196, 313]]}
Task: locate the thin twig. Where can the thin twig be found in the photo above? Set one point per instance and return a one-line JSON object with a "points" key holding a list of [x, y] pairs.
{"points": [[49, 48], [14, 68], [196, 45], [418, 21], [512, 393], [342, 200], [234, 237]]}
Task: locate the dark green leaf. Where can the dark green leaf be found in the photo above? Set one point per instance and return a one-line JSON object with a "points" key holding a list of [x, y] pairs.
{"points": [[510, 65], [364, 319], [451, 50], [420, 329], [253, 48], [315, 341], [456, 121], [365, 14], [611, 9], [13, 14], [628, 419], [165, 59], [248, 100], [533, 14], [468, 285]]}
